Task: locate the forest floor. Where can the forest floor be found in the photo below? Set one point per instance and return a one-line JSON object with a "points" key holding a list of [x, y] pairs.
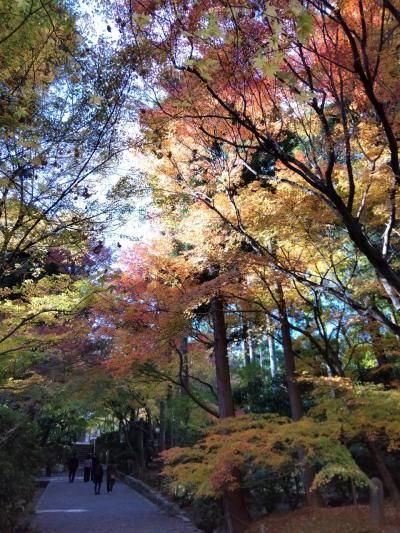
{"points": [[348, 519]]}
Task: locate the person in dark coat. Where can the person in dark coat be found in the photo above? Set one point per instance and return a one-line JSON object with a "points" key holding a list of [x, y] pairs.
{"points": [[95, 462], [111, 477], [87, 468], [72, 467], [97, 478]]}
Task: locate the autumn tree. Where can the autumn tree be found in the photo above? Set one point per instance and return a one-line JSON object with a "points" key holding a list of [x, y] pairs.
{"points": [[304, 89], [60, 106], [254, 440], [59, 135]]}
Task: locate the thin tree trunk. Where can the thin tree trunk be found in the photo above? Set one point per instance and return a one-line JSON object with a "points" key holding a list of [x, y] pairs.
{"points": [[169, 437], [273, 362], [289, 356], [127, 438], [163, 426], [334, 363], [235, 512], [141, 463], [256, 350], [383, 470], [296, 408], [185, 363], [149, 439], [250, 348], [183, 348], [247, 346]]}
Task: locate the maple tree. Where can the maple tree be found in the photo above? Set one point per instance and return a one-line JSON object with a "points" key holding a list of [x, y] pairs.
{"points": [[157, 287], [296, 94], [255, 336], [270, 130], [249, 442], [58, 136]]}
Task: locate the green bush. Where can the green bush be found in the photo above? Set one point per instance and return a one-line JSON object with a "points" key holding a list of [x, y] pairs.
{"points": [[19, 462]]}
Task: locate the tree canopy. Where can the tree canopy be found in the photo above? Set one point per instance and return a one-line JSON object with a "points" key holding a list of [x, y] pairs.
{"points": [[247, 348]]}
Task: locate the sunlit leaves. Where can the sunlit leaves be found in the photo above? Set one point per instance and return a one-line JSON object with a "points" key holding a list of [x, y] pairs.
{"points": [[266, 440], [305, 25]]}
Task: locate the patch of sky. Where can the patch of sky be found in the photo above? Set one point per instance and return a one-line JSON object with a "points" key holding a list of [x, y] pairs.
{"points": [[96, 26]]}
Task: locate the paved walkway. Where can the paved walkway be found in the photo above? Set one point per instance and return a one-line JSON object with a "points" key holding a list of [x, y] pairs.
{"points": [[73, 508]]}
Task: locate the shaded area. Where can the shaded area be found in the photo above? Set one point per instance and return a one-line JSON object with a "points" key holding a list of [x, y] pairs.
{"points": [[73, 507], [351, 519]]}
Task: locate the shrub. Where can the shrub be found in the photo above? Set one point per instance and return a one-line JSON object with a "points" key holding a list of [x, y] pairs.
{"points": [[19, 462]]}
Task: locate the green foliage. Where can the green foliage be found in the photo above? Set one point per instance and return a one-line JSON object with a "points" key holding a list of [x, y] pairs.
{"points": [[187, 420], [37, 319], [207, 514], [19, 462], [256, 391], [61, 421]]}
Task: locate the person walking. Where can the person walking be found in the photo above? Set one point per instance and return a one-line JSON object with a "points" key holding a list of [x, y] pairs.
{"points": [[98, 477], [95, 462], [87, 468], [73, 467], [111, 477]]}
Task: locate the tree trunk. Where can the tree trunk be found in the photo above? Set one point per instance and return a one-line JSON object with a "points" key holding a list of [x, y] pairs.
{"points": [[169, 435], [127, 438], [273, 363], [388, 276], [296, 408], [334, 363], [250, 348], [185, 363], [247, 346], [383, 470], [163, 426], [183, 348], [141, 459], [149, 440], [289, 356], [224, 389], [235, 512]]}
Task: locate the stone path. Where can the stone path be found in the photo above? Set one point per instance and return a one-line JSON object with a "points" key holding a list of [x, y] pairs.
{"points": [[74, 508]]}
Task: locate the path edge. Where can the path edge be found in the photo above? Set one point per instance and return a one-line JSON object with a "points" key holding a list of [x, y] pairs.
{"points": [[37, 502], [158, 499]]}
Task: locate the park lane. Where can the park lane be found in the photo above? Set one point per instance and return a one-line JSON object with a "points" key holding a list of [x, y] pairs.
{"points": [[74, 508]]}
